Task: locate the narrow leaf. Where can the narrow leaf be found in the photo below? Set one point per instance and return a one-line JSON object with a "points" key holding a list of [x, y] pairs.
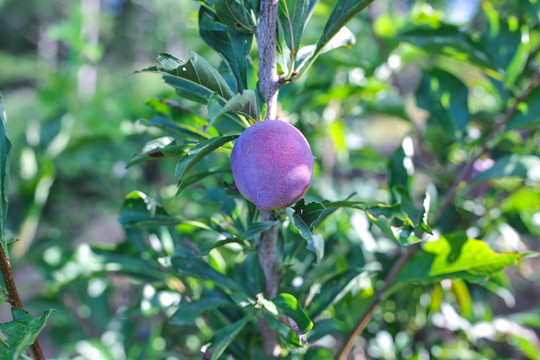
{"points": [[293, 17], [141, 210], [223, 337], [197, 177], [245, 104], [198, 152], [288, 305], [157, 148], [525, 166], [256, 228]]}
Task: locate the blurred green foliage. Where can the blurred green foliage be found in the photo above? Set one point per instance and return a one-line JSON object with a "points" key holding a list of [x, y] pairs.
{"points": [[410, 95]]}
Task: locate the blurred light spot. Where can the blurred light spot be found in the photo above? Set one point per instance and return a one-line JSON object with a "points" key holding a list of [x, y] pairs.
{"points": [[89, 351], [42, 189], [473, 232], [52, 255], [28, 163], [425, 299], [483, 330], [33, 133], [360, 224], [357, 77], [474, 207], [158, 344], [148, 291], [474, 133], [61, 140], [354, 141], [119, 169], [495, 213], [436, 351], [87, 81], [408, 146], [167, 298], [297, 281], [525, 37], [84, 311], [536, 219], [511, 237], [384, 339], [389, 317], [382, 72], [394, 61], [155, 244], [462, 11], [96, 287]]}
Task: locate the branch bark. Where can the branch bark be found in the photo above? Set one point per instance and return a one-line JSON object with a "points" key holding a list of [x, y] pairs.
{"points": [[266, 36], [13, 296], [459, 182]]}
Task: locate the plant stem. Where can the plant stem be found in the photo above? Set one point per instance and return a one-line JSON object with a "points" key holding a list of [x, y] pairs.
{"points": [[459, 182], [13, 296]]}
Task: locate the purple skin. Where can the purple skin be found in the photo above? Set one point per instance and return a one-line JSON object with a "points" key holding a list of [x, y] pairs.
{"points": [[272, 164]]}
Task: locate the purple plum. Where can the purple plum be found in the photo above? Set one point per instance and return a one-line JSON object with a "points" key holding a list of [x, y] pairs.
{"points": [[272, 164]]}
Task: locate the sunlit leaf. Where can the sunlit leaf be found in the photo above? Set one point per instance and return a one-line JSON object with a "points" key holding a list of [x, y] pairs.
{"points": [[141, 210], [288, 305], [157, 148], [293, 17]]}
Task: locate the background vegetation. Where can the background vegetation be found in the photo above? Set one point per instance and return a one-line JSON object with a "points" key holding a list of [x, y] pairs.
{"points": [[430, 108]]}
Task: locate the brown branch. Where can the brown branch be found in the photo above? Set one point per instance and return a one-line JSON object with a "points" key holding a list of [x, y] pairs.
{"points": [[13, 296], [266, 35], [458, 183]]}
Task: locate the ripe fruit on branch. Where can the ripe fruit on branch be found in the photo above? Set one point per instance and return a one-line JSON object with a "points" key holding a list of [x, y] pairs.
{"points": [[272, 164]]}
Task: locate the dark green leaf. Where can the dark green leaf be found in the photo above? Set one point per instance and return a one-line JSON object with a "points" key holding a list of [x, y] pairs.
{"points": [[5, 147], [310, 212], [344, 11], [141, 210], [206, 247], [528, 113], [233, 46], [445, 97], [401, 166], [454, 256], [194, 76], [288, 305], [223, 337], [157, 148], [198, 152], [293, 17], [315, 242], [201, 270], [525, 166], [21, 333], [255, 229], [189, 312], [229, 13], [197, 177]]}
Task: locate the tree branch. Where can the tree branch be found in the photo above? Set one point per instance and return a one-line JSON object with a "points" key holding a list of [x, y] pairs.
{"points": [[266, 35], [459, 182], [13, 296]]}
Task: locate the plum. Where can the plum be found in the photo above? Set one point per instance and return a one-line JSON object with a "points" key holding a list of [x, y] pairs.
{"points": [[272, 164]]}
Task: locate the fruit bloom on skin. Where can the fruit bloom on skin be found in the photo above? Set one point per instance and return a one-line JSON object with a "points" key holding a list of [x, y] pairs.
{"points": [[272, 164]]}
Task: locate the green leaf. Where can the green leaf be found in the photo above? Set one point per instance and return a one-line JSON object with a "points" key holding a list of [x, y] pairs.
{"points": [[525, 166], [315, 242], [176, 128], [293, 17], [5, 147], [401, 166], [229, 13], [192, 77], [449, 40], [198, 152], [446, 98], [21, 333], [343, 12], [141, 210], [201, 270], [189, 312], [197, 177], [157, 148], [233, 46], [223, 337], [528, 113], [288, 305], [336, 287], [255, 229], [206, 247], [454, 256], [310, 212], [245, 104]]}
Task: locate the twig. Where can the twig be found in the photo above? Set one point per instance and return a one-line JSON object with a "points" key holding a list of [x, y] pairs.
{"points": [[13, 296], [460, 181]]}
